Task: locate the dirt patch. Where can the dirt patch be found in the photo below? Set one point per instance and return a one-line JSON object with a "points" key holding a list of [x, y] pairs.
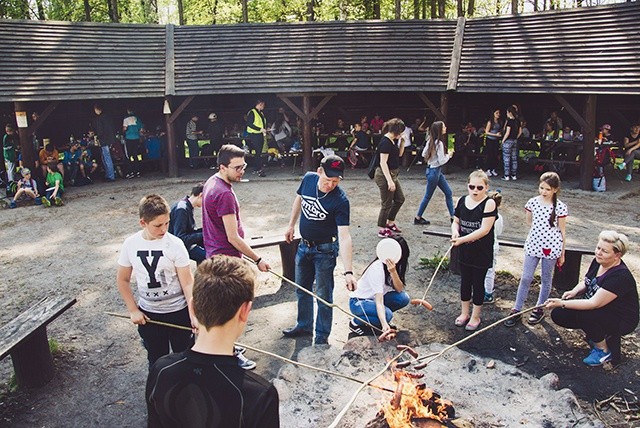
{"points": [[101, 370]]}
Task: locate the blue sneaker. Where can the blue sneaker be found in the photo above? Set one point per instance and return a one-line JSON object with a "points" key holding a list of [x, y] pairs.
{"points": [[13, 204], [488, 298], [597, 357]]}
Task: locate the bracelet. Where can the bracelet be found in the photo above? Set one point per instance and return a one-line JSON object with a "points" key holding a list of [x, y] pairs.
{"points": [[348, 273], [564, 306], [259, 260]]}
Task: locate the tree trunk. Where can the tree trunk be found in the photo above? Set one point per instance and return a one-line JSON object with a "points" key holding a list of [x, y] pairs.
{"points": [[416, 9], [424, 8], [180, 13], [514, 7], [311, 16], [441, 9], [113, 10], [376, 9], [23, 9], [398, 9], [471, 8], [498, 7], [214, 12], [40, 8], [87, 11], [434, 9], [245, 12], [460, 8]]}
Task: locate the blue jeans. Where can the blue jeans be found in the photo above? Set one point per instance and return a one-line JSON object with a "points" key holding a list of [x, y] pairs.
{"points": [[510, 157], [194, 150], [317, 263], [107, 163], [366, 308], [197, 254], [435, 178]]}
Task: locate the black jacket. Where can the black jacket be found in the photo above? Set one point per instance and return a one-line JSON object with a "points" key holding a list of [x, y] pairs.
{"points": [[183, 224]]}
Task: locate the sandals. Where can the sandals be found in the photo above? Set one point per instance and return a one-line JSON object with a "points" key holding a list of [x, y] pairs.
{"points": [[461, 322], [472, 327]]}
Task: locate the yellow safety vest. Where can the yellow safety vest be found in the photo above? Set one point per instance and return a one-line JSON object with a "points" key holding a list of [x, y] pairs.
{"points": [[257, 122]]}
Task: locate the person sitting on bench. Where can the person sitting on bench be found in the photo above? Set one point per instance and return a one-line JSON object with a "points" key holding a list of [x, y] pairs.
{"points": [[610, 307]]}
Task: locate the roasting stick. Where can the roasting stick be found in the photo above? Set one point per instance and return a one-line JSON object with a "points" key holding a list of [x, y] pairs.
{"points": [[459, 342], [271, 354], [435, 272], [338, 418], [319, 299]]}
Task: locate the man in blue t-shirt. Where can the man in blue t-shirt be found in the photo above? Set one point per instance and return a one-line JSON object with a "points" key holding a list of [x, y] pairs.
{"points": [[132, 128], [324, 227]]}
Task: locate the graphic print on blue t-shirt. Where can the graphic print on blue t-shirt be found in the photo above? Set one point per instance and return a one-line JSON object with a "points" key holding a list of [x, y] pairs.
{"points": [[151, 268], [321, 213], [312, 208]]}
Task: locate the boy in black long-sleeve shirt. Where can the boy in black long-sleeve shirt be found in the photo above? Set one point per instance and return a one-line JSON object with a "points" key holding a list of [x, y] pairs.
{"points": [[183, 224]]}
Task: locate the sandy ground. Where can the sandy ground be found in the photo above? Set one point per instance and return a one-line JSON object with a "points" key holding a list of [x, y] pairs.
{"points": [[101, 365]]}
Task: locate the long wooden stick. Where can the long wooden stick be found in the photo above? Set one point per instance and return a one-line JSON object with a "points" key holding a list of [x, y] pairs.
{"points": [[459, 342], [338, 418], [271, 354], [436, 271], [320, 299]]}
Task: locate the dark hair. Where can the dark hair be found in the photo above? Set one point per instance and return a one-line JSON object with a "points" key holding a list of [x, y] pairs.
{"points": [[221, 285], [9, 126], [401, 266], [152, 206], [513, 111], [53, 165], [259, 101], [394, 126], [497, 197], [49, 147], [228, 152], [98, 106], [279, 121], [553, 180], [197, 189], [435, 135]]}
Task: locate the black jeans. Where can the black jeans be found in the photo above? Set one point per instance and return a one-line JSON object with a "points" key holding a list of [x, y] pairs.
{"points": [[472, 283], [596, 323], [256, 142], [158, 338]]}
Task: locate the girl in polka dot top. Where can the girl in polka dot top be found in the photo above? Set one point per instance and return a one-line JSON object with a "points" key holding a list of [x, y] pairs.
{"points": [[547, 216]]}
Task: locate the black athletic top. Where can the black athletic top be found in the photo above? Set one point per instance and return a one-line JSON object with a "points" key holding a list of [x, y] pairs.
{"points": [[477, 253], [191, 389]]}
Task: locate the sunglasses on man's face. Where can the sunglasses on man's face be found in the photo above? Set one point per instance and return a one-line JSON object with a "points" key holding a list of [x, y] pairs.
{"points": [[474, 187], [239, 168]]}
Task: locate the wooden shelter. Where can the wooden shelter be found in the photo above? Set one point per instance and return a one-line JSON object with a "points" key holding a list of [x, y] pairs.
{"points": [[573, 55]]}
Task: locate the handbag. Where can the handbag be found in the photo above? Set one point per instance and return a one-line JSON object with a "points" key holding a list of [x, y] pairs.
{"points": [[375, 163]]}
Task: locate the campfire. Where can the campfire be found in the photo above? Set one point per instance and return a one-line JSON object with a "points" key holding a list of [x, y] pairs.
{"points": [[413, 405]]}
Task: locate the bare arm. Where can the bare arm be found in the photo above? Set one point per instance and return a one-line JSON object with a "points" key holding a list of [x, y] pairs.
{"points": [[123, 279], [562, 222], [485, 226], [398, 285], [380, 309], [507, 132], [295, 214], [346, 248], [384, 166], [601, 298], [231, 229]]}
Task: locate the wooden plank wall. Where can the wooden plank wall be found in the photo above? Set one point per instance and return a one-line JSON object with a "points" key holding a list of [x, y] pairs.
{"points": [[61, 61], [582, 51], [314, 57]]}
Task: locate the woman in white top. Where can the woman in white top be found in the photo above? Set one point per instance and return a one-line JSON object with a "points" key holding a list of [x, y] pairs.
{"points": [[380, 292], [435, 156]]}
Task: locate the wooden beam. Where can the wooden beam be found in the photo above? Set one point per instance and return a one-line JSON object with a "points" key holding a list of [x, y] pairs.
{"points": [[169, 62], [29, 155], [42, 117], [174, 116], [172, 160], [588, 144], [306, 143], [444, 105], [320, 105], [456, 54], [431, 106], [293, 107], [573, 112]]}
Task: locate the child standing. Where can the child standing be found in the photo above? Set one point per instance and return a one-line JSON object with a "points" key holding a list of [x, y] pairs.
{"points": [[160, 263], [472, 231], [547, 217], [498, 227], [54, 185], [380, 292], [26, 186]]}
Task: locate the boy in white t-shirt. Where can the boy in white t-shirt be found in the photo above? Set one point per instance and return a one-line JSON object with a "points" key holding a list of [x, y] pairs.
{"points": [[160, 263]]}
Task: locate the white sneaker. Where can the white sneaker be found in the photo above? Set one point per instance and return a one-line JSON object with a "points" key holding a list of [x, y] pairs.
{"points": [[505, 178], [488, 172], [245, 363], [514, 178], [494, 173]]}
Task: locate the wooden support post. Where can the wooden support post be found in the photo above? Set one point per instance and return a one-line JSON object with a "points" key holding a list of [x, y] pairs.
{"points": [[444, 105], [29, 154], [32, 360], [307, 148], [431, 106], [172, 161], [588, 144]]}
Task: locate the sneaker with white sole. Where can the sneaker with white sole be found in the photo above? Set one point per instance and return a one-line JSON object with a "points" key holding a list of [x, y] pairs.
{"points": [[597, 357], [514, 177], [621, 166], [245, 363], [355, 328], [494, 172], [536, 316], [488, 298], [628, 177]]}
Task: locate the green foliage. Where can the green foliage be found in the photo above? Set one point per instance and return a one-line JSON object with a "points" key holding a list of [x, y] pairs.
{"points": [[433, 262], [54, 346], [13, 383]]}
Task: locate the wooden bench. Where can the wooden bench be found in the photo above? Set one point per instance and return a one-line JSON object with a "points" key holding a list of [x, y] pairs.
{"points": [[25, 339], [564, 278], [287, 252]]}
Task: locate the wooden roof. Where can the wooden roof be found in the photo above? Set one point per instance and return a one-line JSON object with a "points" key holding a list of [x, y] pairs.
{"points": [[49, 60], [314, 57], [586, 50], [583, 51]]}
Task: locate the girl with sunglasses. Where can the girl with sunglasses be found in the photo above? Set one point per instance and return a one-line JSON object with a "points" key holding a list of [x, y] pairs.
{"points": [[547, 217], [472, 231]]}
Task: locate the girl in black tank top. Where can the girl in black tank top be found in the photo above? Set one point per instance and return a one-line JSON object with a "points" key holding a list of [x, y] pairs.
{"points": [[472, 233]]}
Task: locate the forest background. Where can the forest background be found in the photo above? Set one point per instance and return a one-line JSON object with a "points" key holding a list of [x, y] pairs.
{"points": [[212, 12]]}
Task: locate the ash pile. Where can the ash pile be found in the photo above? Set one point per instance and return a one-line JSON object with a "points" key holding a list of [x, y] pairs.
{"points": [[483, 393]]}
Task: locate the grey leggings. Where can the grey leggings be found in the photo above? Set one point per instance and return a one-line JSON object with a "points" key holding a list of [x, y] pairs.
{"points": [[530, 264]]}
